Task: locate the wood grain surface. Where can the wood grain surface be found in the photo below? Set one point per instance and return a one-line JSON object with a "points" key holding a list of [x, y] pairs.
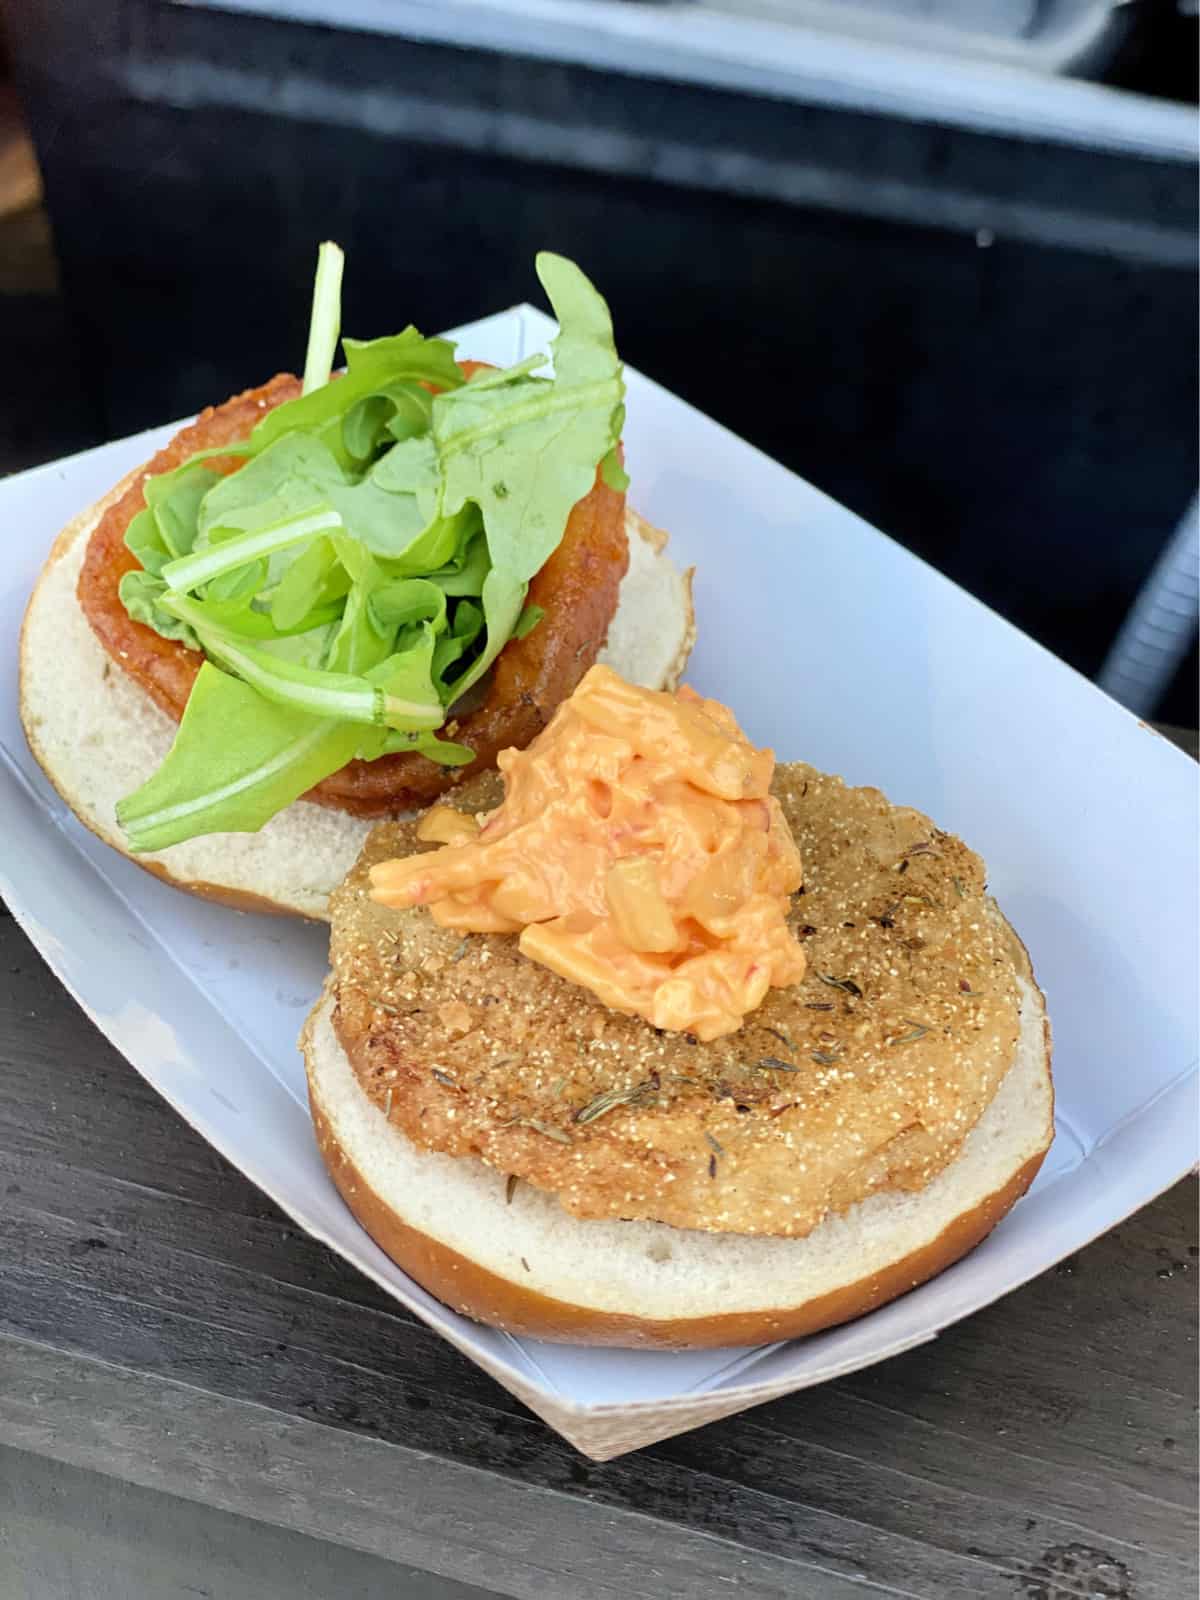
{"points": [[160, 1321]]}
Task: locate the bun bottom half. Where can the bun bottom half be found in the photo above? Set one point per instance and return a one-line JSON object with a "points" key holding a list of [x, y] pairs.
{"points": [[98, 736], [521, 1263]]}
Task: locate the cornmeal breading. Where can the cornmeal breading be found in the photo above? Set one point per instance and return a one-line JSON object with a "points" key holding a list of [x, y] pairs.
{"points": [[868, 1074]]}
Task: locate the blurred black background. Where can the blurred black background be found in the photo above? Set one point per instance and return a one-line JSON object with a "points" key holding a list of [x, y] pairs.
{"points": [[983, 342]]}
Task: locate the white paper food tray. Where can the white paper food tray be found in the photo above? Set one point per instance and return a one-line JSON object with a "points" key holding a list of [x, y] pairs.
{"points": [[834, 646]]}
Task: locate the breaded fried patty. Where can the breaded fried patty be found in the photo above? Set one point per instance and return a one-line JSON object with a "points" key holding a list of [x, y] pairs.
{"points": [[866, 1076]]}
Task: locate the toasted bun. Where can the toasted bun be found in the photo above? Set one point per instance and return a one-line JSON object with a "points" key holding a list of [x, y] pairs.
{"points": [[521, 1263], [651, 636], [98, 736]]}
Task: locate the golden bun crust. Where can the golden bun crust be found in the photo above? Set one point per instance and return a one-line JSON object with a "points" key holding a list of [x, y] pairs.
{"points": [[474, 1291], [903, 1243]]}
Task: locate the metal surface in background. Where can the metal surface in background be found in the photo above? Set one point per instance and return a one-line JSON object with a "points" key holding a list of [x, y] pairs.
{"points": [[1161, 625], [835, 55]]}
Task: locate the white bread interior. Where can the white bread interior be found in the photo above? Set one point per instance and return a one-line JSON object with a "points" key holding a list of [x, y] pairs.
{"points": [[652, 633], [98, 736], [660, 1273]]}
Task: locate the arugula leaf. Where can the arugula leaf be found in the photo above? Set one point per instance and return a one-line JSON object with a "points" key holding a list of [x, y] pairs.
{"points": [[450, 648], [528, 621], [244, 616], [387, 524], [174, 498], [497, 377], [468, 621], [304, 649], [401, 600], [238, 584], [229, 554], [526, 452], [405, 356], [413, 409], [325, 323], [407, 676], [143, 538], [371, 367], [394, 511], [400, 411], [236, 761], [443, 751], [140, 594], [348, 696], [371, 558], [465, 574], [502, 597], [293, 475], [365, 425], [166, 529], [612, 472], [357, 561], [315, 578], [359, 643]]}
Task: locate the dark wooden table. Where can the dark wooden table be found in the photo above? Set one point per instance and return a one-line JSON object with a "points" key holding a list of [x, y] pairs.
{"points": [[162, 1323]]}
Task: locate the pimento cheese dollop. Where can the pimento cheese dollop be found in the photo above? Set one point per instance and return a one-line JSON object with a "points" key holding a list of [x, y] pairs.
{"points": [[638, 852]]}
